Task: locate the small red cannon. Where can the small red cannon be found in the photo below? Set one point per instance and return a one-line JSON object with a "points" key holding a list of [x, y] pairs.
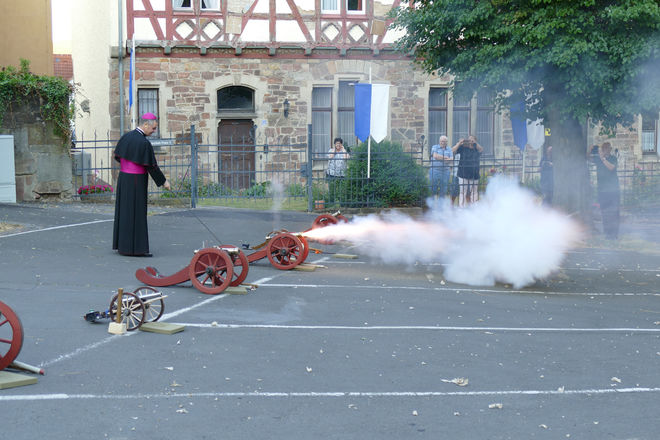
{"points": [[211, 270]]}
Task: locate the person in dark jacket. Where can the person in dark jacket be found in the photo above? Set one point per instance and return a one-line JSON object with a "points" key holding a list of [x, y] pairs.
{"points": [[608, 189], [468, 169], [136, 156], [547, 176]]}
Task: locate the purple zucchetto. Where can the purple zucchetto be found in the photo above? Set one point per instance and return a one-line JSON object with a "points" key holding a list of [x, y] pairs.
{"points": [[149, 116]]}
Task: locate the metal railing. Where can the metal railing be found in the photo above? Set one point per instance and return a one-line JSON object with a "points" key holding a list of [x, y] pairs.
{"points": [[240, 173]]}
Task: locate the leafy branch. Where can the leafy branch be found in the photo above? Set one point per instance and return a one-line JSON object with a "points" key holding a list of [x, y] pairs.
{"points": [[53, 93]]}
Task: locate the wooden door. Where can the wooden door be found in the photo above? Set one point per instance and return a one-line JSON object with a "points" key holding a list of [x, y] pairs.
{"points": [[236, 153]]}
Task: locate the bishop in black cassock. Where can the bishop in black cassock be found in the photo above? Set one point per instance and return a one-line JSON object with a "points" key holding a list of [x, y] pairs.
{"points": [[136, 156]]}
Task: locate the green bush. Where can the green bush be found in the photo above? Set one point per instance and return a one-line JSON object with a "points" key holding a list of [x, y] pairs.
{"points": [[258, 190], [396, 180]]}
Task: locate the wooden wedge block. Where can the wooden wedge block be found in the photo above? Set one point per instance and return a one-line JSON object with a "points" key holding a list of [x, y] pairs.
{"points": [[11, 380], [117, 328], [346, 256], [305, 268], [235, 290], [165, 328]]}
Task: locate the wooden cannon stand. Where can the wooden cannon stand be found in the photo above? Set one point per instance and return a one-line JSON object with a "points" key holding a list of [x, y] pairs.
{"points": [[213, 269]]}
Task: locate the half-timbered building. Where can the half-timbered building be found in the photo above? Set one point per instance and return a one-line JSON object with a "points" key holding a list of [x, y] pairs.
{"points": [[261, 71]]}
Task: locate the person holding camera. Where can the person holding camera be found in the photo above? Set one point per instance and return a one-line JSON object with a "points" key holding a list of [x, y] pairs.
{"points": [[468, 169], [337, 164], [338, 159], [608, 188]]}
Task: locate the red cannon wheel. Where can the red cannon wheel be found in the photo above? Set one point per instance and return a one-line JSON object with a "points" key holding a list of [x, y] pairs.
{"points": [[323, 220], [285, 251], [11, 335], [211, 270], [305, 244], [241, 265], [154, 307], [132, 310]]}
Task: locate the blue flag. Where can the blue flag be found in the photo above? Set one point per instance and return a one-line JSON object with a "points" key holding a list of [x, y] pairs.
{"points": [[372, 102]]}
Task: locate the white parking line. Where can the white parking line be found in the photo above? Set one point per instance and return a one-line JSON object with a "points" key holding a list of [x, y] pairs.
{"points": [[111, 338], [322, 394], [426, 328], [459, 289], [52, 228]]}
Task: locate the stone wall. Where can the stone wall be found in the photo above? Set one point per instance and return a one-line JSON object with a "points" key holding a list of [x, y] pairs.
{"points": [[42, 160], [188, 86]]}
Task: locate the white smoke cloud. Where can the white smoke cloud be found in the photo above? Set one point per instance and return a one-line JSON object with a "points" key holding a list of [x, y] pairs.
{"points": [[506, 237]]}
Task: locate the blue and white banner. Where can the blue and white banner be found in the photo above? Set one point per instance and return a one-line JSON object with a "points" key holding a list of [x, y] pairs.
{"points": [[372, 103], [525, 131]]}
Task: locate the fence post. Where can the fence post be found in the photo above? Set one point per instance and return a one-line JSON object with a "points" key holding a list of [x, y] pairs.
{"points": [[193, 167], [310, 192]]}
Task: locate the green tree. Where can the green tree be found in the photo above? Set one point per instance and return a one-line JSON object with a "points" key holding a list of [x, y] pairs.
{"points": [[572, 62]]}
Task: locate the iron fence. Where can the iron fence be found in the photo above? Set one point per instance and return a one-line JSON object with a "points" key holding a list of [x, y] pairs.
{"points": [[240, 173]]}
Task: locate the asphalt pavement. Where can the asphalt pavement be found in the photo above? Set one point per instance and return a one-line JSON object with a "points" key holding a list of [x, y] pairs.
{"points": [[352, 350]]}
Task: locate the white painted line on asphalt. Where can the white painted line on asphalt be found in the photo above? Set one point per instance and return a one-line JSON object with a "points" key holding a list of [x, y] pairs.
{"points": [[460, 289], [52, 228], [165, 317], [89, 347], [321, 394], [579, 269], [426, 328]]}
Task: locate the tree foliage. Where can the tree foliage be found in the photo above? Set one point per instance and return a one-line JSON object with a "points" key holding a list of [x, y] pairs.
{"points": [[580, 59], [569, 61]]}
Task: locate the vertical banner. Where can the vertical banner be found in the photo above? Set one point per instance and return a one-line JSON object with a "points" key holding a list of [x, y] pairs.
{"points": [[371, 111]]}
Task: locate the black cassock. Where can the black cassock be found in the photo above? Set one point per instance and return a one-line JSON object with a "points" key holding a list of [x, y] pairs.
{"points": [[130, 234]]}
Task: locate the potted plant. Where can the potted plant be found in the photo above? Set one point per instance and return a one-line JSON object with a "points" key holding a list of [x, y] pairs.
{"points": [[95, 193]]}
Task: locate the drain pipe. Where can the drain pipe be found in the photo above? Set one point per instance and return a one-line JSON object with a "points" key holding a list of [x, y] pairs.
{"points": [[120, 57]]}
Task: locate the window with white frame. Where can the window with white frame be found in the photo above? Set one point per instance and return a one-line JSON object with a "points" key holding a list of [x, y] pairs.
{"points": [[210, 4], [461, 117], [461, 113], [650, 133], [485, 121], [350, 6], [321, 119], [203, 4], [147, 99], [437, 114], [325, 115], [182, 4], [346, 113]]}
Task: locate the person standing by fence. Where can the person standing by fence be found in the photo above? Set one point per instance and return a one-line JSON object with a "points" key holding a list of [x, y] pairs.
{"points": [[608, 188], [441, 160], [136, 156], [337, 164], [547, 176], [468, 169]]}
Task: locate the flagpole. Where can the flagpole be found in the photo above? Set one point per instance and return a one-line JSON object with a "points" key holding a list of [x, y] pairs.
{"points": [[134, 88], [369, 142]]}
